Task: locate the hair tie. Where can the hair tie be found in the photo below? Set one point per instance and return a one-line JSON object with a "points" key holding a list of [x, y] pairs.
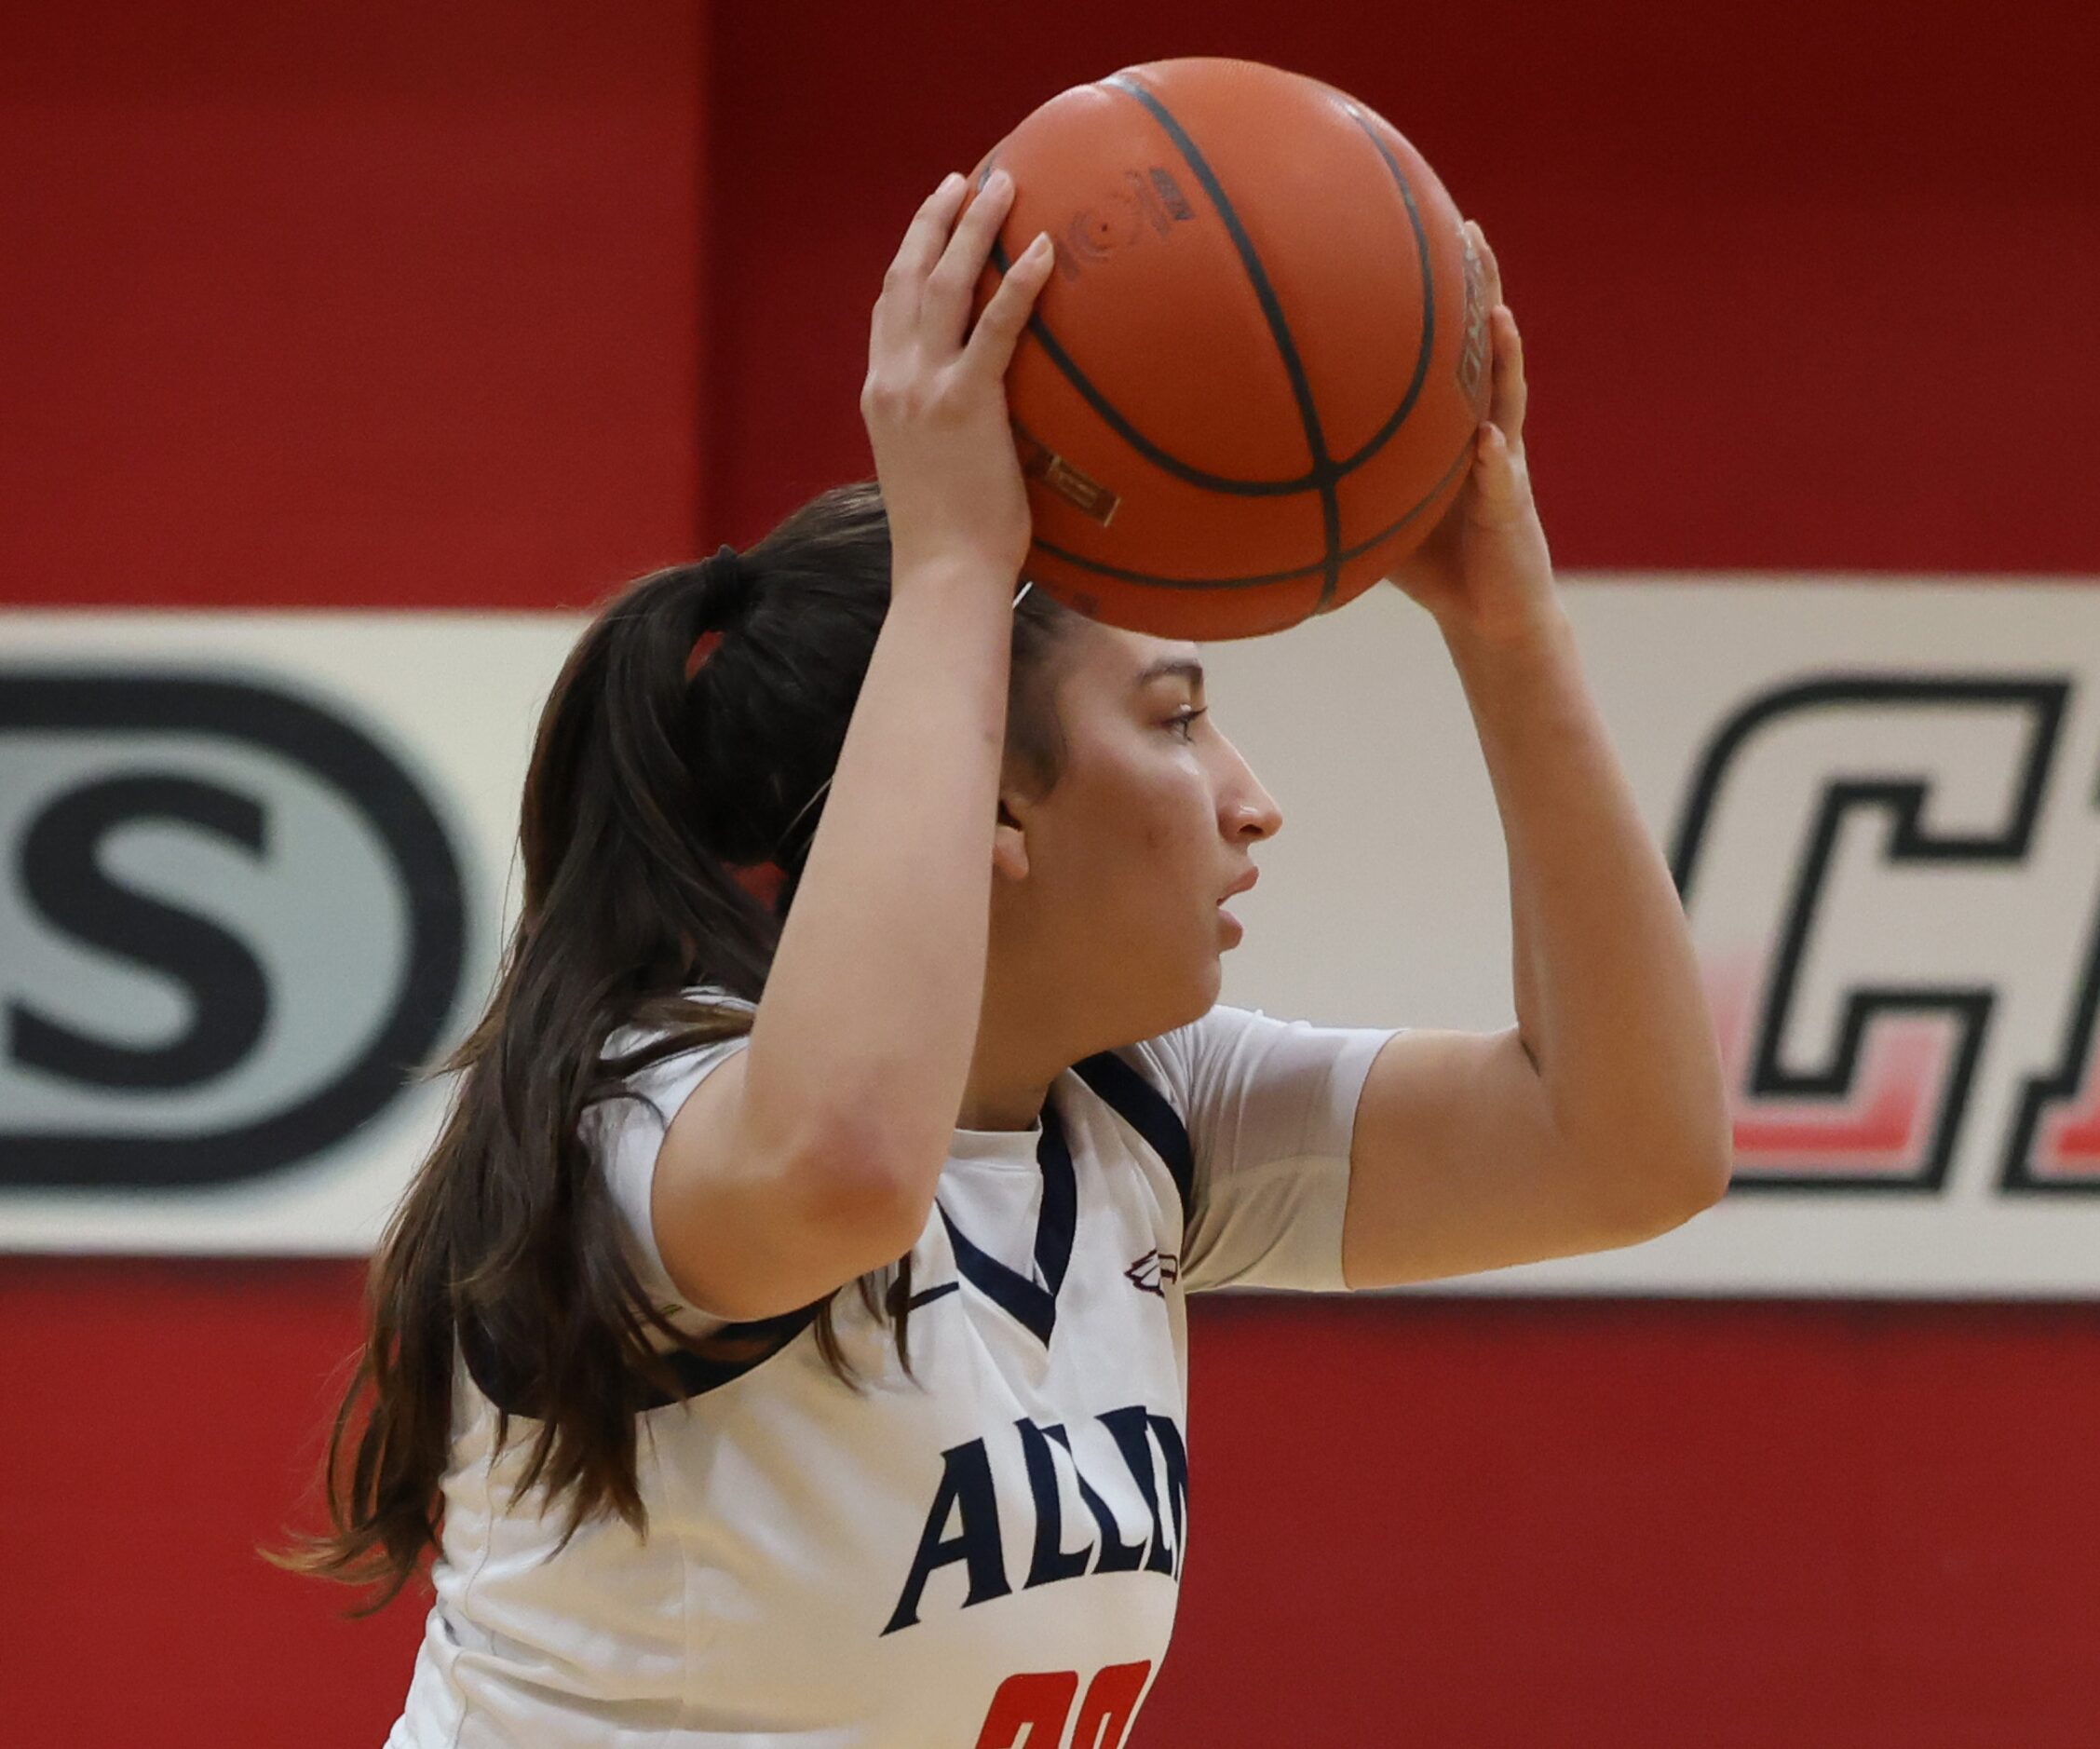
{"points": [[725, 576], [763, 881]]}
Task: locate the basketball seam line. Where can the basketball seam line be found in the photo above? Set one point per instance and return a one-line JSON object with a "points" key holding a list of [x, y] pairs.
{"points": [[1226, 484], [1429, 288], [1347, 553], [1323, 473]]}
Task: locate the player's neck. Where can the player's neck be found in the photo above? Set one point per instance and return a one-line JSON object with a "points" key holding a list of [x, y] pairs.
{"points": [[1009, 1107], [1010, 1074]]}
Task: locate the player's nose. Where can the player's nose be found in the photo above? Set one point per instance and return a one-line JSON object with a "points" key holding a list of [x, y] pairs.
{"points": [[1247, 813]]}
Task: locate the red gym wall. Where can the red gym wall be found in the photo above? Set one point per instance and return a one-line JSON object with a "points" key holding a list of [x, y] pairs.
{"points": [[492, 305]]}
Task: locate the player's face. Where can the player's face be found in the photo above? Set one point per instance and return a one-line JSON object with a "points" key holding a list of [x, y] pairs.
{"points": [[1154, 815]]}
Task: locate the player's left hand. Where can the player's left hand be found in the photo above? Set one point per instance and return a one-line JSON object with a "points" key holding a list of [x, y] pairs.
{"points": [[1484, 571]]}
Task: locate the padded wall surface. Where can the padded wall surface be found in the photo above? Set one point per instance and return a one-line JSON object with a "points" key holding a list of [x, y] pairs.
{"points": [[348, 304], [495, 305]]}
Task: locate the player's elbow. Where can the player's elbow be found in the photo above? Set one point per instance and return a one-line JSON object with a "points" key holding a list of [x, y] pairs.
{"points": [[1705, 1156], [867, 1192], [1657, 1184]]}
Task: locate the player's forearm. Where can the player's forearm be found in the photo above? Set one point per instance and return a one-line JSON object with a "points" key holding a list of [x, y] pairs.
{"points": [[1609, 1002], [870, 1014]]}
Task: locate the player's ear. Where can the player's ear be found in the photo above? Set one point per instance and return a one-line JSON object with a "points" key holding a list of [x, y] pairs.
{"points": [[1010, 845]]}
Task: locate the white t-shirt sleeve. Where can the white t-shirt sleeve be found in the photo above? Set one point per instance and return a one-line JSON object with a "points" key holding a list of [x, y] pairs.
{"points": [[625, 1135], [1270, 1107]]}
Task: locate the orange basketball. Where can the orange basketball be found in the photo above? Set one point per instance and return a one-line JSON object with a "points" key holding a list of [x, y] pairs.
{"points": [[1251, 383]]}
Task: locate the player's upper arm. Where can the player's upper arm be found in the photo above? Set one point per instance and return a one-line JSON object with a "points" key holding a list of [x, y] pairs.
{"points": [[1455, 1167], [726, 1223], [751, 1230]]}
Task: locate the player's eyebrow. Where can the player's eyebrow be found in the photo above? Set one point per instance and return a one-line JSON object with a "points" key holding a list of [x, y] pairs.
{"points": [[1172, 668]]}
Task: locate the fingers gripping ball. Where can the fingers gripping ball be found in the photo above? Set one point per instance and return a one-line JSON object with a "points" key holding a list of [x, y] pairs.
{"points": [[1253, 383]]}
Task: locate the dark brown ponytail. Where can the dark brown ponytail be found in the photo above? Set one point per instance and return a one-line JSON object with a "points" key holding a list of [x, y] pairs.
{"points": [[657, 783]]}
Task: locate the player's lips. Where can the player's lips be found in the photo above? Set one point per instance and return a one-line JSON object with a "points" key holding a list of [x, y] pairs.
{"points": [[1240, 886]]}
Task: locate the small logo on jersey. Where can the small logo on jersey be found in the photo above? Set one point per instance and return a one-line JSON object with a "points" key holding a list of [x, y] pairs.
{"points": [[1151, 1272]]}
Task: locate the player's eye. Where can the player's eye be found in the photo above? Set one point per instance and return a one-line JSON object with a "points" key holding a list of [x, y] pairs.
{"points": [[1184, 722]]}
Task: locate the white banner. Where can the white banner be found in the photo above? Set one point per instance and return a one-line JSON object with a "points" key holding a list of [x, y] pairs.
{"points": [[260, 860], [259, 863]]}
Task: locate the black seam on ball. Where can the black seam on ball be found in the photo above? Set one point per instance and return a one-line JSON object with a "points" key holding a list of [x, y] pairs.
{"points": [[1324, 477]]}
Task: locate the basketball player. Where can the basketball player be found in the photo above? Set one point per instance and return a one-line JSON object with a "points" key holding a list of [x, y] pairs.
{"points": [[784, 1343]]}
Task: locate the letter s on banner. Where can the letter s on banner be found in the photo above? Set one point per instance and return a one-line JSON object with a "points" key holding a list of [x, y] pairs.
{"points": [[236, 929]]}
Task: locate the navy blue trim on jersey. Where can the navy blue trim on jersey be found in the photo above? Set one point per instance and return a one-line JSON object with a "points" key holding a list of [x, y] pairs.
{"points": [[506, 1383], [1146, 1110], [1060, 1216], [1033, 1305]]}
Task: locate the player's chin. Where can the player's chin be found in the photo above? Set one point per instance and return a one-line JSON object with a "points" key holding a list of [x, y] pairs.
{"points": [[1179, 995], [1189, 985]]}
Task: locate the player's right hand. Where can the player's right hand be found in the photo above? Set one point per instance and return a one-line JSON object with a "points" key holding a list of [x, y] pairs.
{"points": [[1485, 570], [935, 397]]}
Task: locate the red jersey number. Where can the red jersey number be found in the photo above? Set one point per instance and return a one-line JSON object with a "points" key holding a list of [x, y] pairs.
{"points": [[1030, 1712]]}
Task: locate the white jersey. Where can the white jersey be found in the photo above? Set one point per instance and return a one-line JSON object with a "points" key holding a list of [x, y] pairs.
{"points": [[983, 1553]]}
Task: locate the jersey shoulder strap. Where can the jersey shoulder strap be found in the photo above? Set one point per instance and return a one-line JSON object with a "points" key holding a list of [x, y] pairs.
{"points": [[1146, 1110]]}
